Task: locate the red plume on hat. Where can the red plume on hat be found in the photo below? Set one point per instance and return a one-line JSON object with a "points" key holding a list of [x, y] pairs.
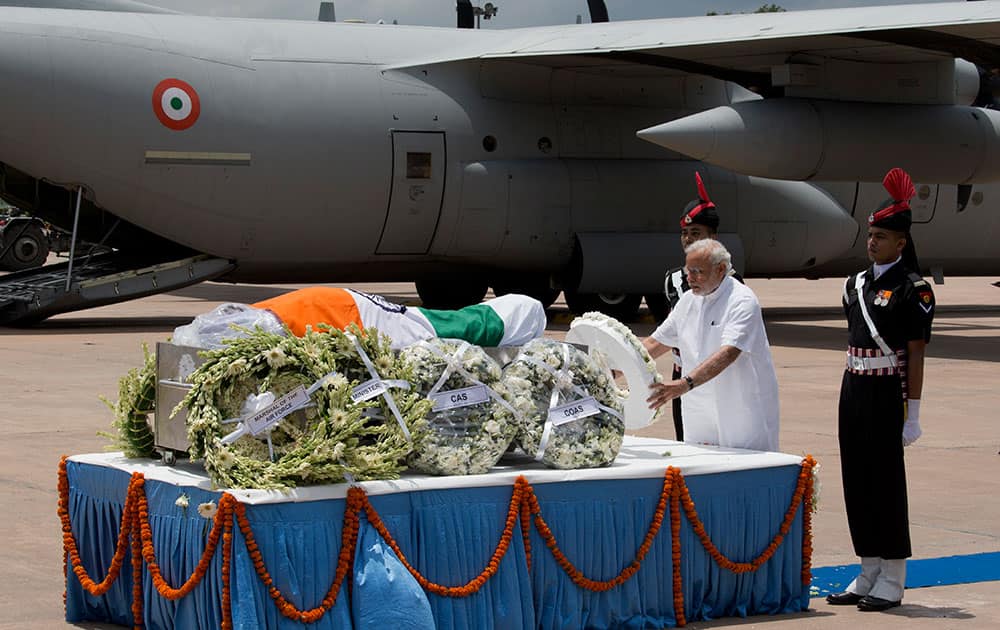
{"points": [[702, 193], [900, 187]]}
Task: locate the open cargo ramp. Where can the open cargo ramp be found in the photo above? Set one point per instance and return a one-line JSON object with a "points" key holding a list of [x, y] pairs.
{"points": [[30, 296]]}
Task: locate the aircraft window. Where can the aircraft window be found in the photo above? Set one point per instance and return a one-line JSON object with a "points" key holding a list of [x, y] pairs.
{"points": [[418, 166]]}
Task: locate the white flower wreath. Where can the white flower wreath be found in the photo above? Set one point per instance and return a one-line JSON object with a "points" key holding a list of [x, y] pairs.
{"points": [[612, 343], [628, 337], [462, 438], [548, 375]]}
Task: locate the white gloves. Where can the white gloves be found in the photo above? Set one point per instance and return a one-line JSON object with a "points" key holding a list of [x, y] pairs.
{"points": [[911, 428]]}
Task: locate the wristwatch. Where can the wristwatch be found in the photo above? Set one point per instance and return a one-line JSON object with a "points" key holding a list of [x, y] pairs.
{"points": [[690, 382]]}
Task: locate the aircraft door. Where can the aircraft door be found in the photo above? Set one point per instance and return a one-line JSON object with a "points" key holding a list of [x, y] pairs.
{"points": [[418, 177], [924, 203]]}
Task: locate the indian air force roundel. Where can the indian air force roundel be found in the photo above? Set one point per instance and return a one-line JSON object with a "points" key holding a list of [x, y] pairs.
{"points": [[176, 104]]}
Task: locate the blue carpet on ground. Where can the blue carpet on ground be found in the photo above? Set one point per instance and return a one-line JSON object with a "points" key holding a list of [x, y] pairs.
{"points": [[977, 567]]}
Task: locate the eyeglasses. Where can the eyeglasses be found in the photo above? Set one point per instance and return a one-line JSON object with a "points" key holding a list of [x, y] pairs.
{"points": [[694, 271]]}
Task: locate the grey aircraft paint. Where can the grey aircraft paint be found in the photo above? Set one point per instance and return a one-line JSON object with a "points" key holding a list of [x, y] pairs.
{"points": [[308, 152]]}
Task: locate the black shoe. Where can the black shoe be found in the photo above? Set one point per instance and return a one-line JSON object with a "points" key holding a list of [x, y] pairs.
{"points": [[846, 598], [876, 604]]}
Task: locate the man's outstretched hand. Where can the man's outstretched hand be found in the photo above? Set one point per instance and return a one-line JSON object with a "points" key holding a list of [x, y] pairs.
{"points": [[662, 393]]}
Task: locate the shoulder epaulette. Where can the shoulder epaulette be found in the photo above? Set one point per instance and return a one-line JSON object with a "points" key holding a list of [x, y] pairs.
{"points": [[916, 279]]}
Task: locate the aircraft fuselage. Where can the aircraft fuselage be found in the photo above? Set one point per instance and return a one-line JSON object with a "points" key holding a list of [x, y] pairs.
{"points": [[317, 152]]}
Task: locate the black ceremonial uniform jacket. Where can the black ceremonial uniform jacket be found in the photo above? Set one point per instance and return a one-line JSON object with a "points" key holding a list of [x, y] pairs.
{"points": [[900, 303]]}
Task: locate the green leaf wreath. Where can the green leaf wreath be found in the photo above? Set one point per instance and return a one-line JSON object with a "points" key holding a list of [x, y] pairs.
{"points": [[136, 400], [335, 440]]}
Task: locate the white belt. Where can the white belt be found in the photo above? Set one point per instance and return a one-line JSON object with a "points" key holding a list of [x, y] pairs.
{"points": [[870, 363]]}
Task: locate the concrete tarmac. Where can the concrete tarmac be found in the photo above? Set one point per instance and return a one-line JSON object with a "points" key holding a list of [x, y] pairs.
{"points": [[51, 376]]}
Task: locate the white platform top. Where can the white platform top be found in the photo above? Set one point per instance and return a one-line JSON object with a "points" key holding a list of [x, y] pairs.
{"points": [[640, 458]]}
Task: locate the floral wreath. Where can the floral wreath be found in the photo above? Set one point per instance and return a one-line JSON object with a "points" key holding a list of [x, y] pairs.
{"points": [[337, 437], [136, 400], [462, 439], [547, 374]]}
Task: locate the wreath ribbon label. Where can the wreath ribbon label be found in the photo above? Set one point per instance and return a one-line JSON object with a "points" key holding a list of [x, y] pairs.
{"points": [[383, 386], [576, 410], [372, 388], [277, 411], [263, 420], [453, 365], [457, 398]]}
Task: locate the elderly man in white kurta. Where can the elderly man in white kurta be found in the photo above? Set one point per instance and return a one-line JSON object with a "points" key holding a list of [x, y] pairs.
{"points": [[730, 393]]}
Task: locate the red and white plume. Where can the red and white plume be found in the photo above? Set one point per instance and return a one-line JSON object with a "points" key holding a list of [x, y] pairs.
{"points": [[899, 185]]}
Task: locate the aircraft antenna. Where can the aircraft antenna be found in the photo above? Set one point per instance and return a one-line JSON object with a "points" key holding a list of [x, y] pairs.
{"points": [[598, 11], [466, 16], [327, 12]]}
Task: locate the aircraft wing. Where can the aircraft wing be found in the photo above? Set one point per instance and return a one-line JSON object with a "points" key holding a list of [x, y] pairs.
{"points": [[740, 47], [125, 6]]}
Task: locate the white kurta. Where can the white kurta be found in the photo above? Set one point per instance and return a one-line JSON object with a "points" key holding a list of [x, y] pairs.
{"points": [[739, 407]]}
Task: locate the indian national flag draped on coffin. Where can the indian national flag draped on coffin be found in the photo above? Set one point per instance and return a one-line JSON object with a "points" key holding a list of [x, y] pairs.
{"points": [[509, 320]]}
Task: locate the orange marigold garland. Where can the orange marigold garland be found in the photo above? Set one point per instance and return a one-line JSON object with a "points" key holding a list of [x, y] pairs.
{"points": [[675, 537], [149, 555], [226, 509], [745, 567], [472, 586], [713, 551], [70, 549], [135, 531], [526, 527], [595, 585], [349, 537], [139, 516], [807, 469]]}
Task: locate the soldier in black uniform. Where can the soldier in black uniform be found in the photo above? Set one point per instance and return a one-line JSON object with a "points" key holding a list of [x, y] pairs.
{"points": [[699, 221], [889, 310]]}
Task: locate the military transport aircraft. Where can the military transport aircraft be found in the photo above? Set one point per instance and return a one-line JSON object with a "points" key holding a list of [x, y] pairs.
{"points": [[281, 151]]}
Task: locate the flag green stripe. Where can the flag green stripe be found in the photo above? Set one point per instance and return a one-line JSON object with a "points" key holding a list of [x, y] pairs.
{"points": [[478, 324]]}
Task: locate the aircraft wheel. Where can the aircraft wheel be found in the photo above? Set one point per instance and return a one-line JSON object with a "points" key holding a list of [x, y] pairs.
{"points": [[658, 306], [28, 249], [622, 306], [536, 288], [451, 291]]}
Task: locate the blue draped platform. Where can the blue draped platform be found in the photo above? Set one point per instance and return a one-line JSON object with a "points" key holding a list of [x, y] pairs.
{"points": [[448, 529]]}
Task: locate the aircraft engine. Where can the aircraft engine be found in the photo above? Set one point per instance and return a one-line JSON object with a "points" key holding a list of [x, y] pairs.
{"points": [[802, 139], [769, 226]]}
